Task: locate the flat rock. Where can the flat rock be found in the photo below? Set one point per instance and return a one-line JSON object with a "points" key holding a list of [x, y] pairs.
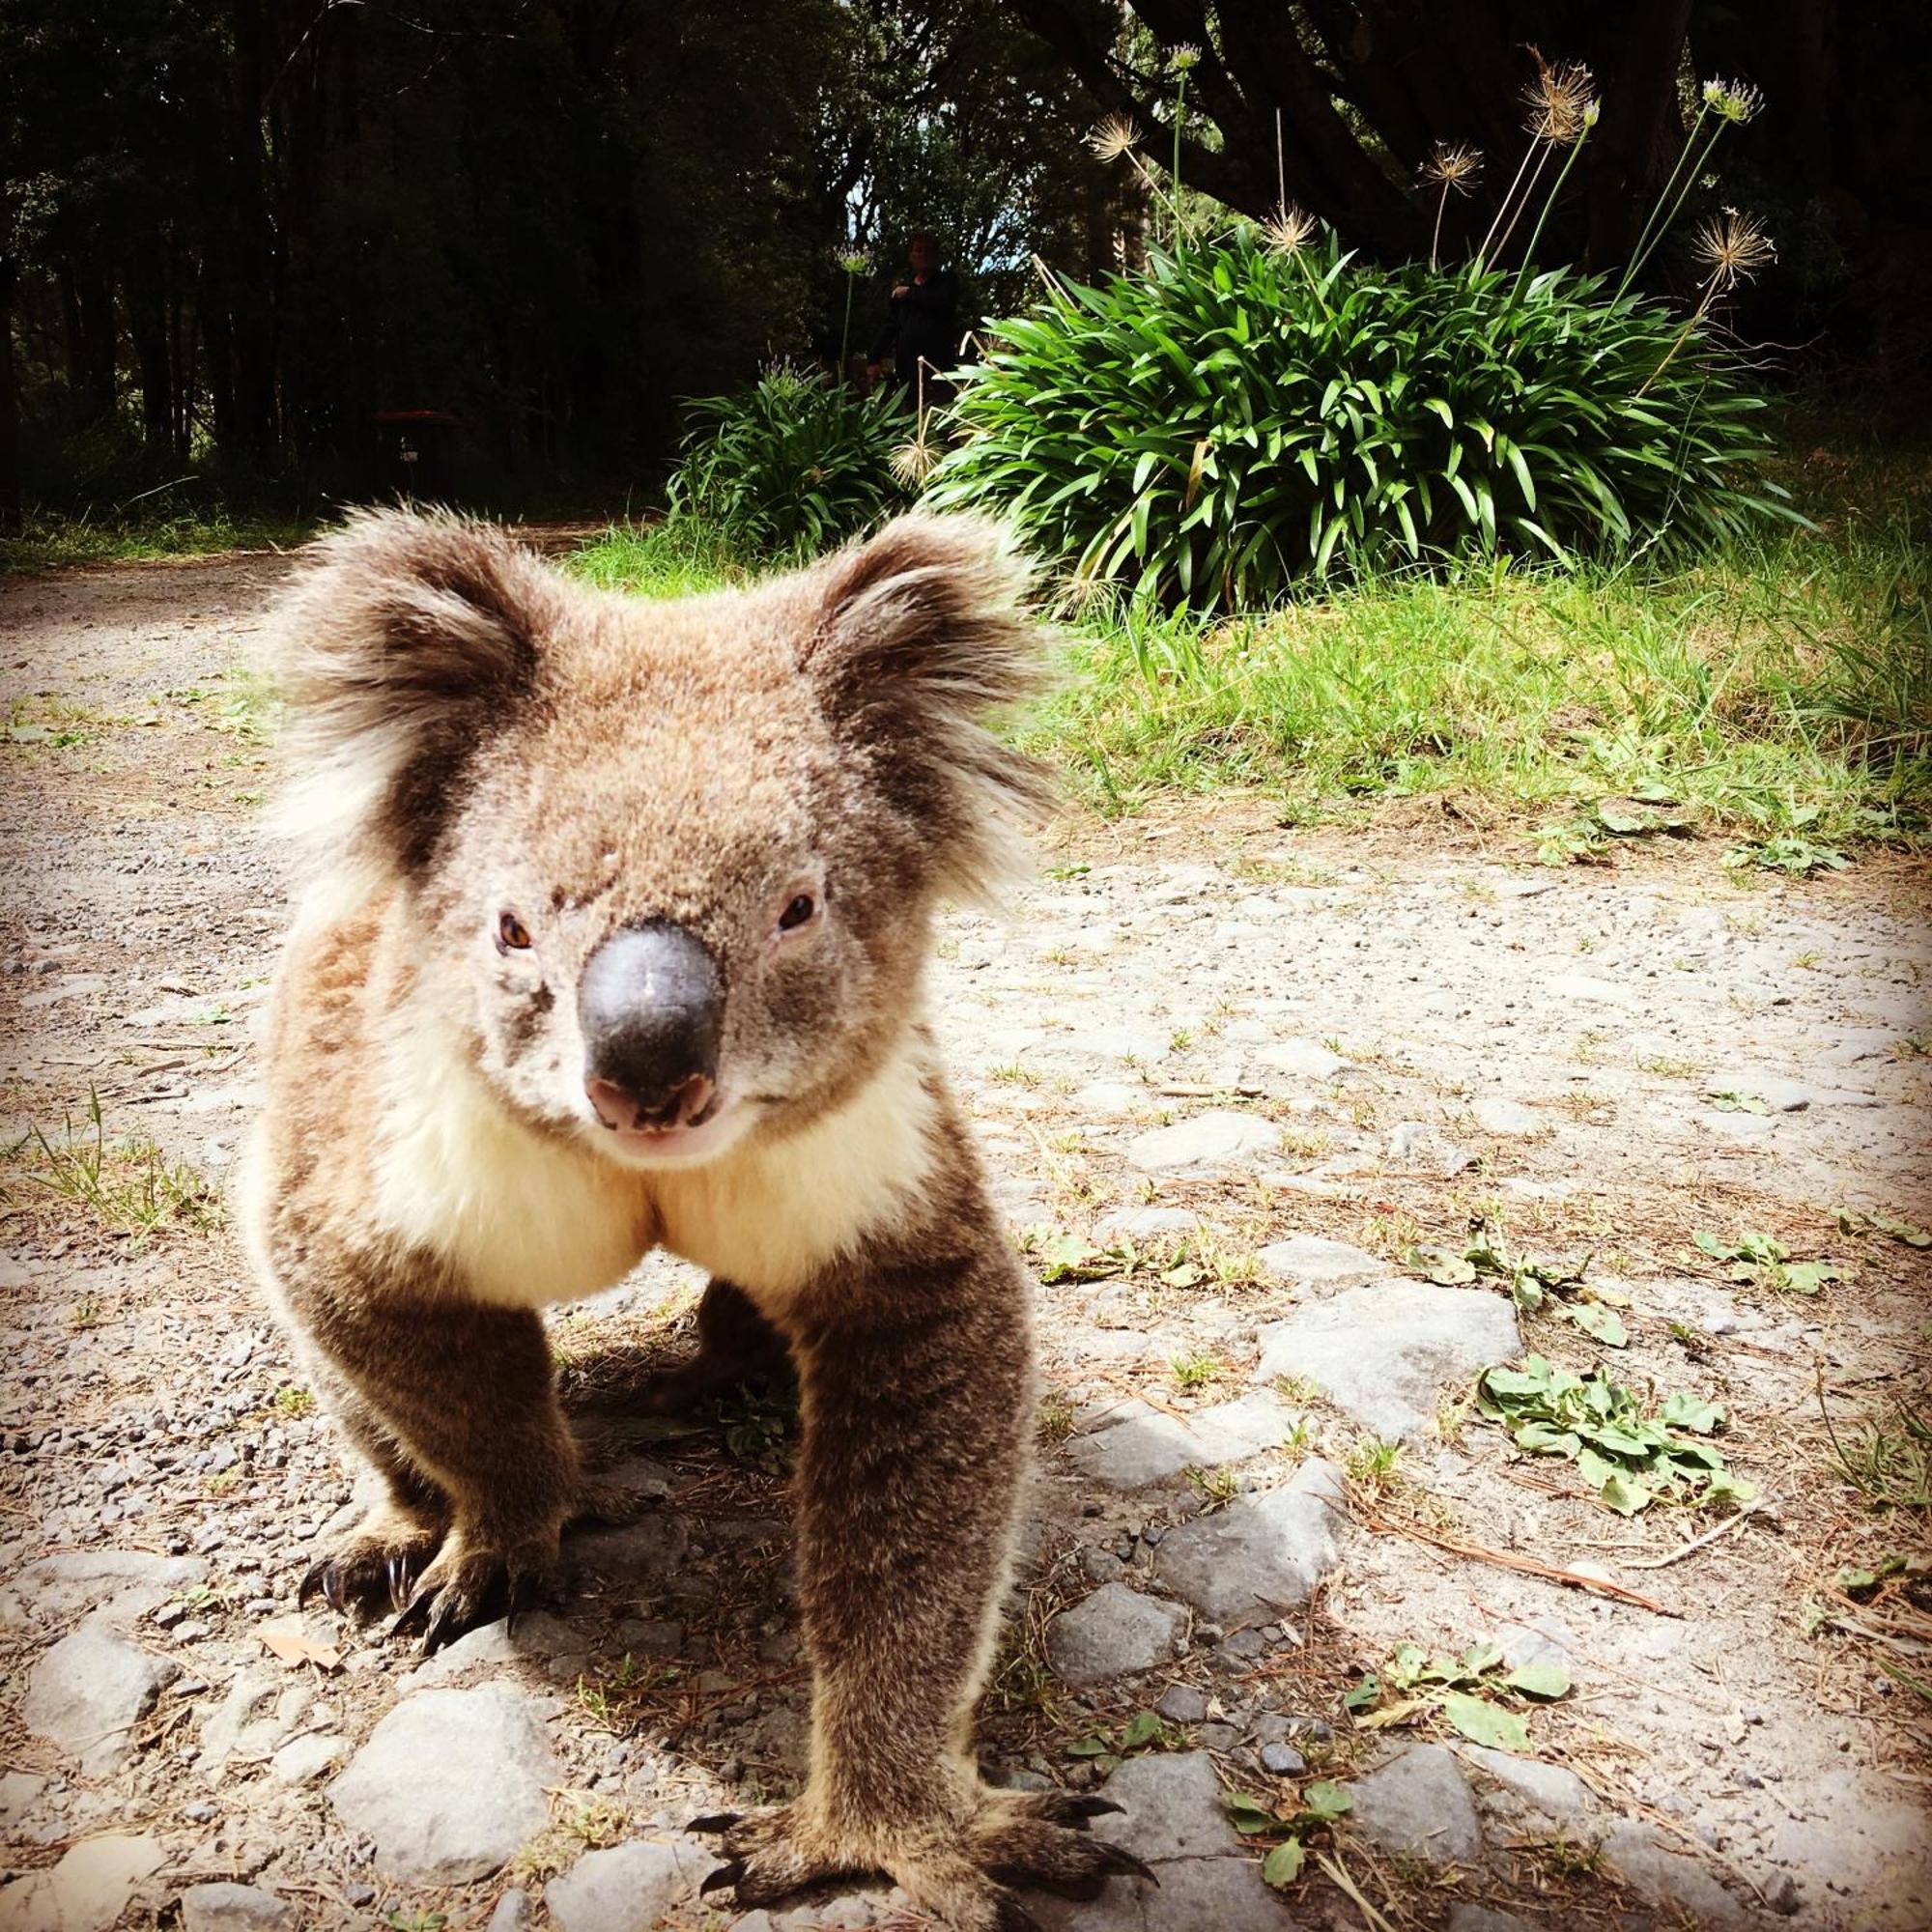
{"points": [[1114, 1632], [1224, 1894], [1144, 1224], [1674, 1880], [1418, 1805], [1507, 1117], [1783, 1095], [538, 1635], [1205, 1144], [90, 1888], [303, 1760], [1387, 1350], [1263, 1553], [1480, 1919], [1416, 1145], [1136, 1444], [86, 1694], [512, 1912], [1303, 1059], [1313, 1262], [1173, 1807], [84, 1580], [451, 1783], [1529, 1789], [628, 1887], [235, 1908], [18, 1791]]}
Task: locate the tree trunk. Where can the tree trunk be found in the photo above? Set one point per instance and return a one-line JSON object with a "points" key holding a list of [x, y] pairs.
{"points": [[11, 505], [1641, 131]]}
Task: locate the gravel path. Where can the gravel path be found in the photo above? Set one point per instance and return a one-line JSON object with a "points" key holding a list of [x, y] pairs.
{"points": [[1254, 1097]]}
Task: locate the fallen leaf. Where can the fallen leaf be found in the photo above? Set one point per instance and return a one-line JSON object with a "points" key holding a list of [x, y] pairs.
{"points": [[294, 1646]]}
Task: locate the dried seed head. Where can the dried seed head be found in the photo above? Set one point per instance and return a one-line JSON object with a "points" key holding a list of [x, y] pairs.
{"points": [[1734, 101], [854, 261], [1559, 101], [912, 462], [1287, 228], [1451, 165], [1114, 137], [1185, 57], [1733, 249]]}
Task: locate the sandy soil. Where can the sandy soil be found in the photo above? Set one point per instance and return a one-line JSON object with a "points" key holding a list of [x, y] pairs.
{"points": [[1424, 1034]]}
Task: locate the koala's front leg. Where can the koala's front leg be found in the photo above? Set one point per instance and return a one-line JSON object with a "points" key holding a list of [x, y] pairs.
{"points": [[917, 1399], [464, 1399]]}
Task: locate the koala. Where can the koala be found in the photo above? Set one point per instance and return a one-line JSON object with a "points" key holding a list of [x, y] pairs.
{"points": [[615, 940]]}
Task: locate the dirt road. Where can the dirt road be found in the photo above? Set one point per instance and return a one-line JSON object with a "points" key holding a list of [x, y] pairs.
{"points": [[1302, 1133]]}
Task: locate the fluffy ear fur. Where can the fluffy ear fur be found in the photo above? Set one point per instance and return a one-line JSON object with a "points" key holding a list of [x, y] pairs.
{"points": [[405, 642], [923, 639]]}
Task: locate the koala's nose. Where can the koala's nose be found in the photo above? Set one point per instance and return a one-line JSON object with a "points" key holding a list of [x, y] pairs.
{"points": [[651, 1006]]}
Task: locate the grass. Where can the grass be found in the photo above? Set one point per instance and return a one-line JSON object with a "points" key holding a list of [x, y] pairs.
{"points": [[47, 542], [1778, 693], [129, 1185]]}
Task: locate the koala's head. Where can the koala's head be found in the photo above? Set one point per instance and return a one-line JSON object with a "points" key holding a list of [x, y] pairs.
{"points": [[669, 866]]}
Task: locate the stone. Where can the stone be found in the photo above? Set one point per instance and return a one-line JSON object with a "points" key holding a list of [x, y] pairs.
{"points": [[1418, 1805], [1136, 1444], [1783, 1095], [1530, 1790], [1386, 1352], [1182, 1704], [1480, 1918], [1207, 1144], [1173, 1807], [1283, 1761], [538, 1635], [512, 1912], [1263, 1553], [1579, 988], [1312, 1261], [1417, 1144], [303, 1760], [1674, 1880], [1226, 1895], [235, 1908], [1507, 1117], [451, 1783], [1544, 1641], [628, 1887], [1144, 1224], [86, 1694], [1115, 1631], [90, 1888], [18, 1791], [133, 1580], [261, 1709], [1109, 1099], [1303, 1059]]}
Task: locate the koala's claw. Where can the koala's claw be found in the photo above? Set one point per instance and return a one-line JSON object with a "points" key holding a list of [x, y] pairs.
{"points": [[715, 1821], [726, 1874], [459, 1593], [370, 1565]]}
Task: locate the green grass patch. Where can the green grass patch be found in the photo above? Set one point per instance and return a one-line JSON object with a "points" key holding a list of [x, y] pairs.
{"points": [[1777, 692], [50, 542]]}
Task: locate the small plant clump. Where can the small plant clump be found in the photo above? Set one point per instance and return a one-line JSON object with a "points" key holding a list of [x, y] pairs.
{"points": [[1473, 1692], [1291, 1824], [1629, 1458], [128, 1184], [1761, 1261]]}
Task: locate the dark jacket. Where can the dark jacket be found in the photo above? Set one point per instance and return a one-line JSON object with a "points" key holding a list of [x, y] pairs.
{"points": [[923, 323]]}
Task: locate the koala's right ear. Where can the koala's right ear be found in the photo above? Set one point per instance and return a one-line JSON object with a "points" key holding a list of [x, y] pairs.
{"points": [[405, 642]]}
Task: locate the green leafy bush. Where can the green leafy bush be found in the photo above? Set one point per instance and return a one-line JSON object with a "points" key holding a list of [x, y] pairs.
{"points": [[794, 464], [1237, 417]]}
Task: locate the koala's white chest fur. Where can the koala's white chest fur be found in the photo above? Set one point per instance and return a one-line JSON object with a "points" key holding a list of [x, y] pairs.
{"points": [[524, 1219]]}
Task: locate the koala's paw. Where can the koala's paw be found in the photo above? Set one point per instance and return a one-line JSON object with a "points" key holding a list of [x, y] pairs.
{"points": [[604, 1500], [373, 1567], [962, 1880], [474, 1581]]}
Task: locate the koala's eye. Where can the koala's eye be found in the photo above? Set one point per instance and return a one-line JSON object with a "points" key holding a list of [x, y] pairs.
{"points": [[512, 934], [797, 912]]}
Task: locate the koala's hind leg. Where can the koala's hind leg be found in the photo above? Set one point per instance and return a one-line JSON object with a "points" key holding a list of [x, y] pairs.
{"points": [[462, 1399], [735, 1344], [917, 1399]]}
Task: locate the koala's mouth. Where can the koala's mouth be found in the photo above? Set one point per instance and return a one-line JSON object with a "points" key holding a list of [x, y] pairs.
{"points": [[687, 1142]]}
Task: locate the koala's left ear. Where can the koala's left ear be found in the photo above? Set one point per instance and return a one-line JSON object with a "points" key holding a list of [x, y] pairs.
{"points": [[922, 640]]}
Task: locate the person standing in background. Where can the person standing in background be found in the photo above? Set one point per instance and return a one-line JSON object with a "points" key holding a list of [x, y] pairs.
{"points": [[921, 331]]}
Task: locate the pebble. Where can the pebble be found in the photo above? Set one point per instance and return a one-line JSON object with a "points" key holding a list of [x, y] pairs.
{"points": [[1261, 1553], [628, 1887], [86, 1693], [235, 1908], [451, 1783], [1386, 1352], [1418, 1805], [1283, 1760], [1115, 1631], [1312, 1261], [1183, 1704], [1209, 1142]]}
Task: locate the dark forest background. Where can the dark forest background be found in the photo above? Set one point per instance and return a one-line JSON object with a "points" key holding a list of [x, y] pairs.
{"points": [[233, 231]]}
